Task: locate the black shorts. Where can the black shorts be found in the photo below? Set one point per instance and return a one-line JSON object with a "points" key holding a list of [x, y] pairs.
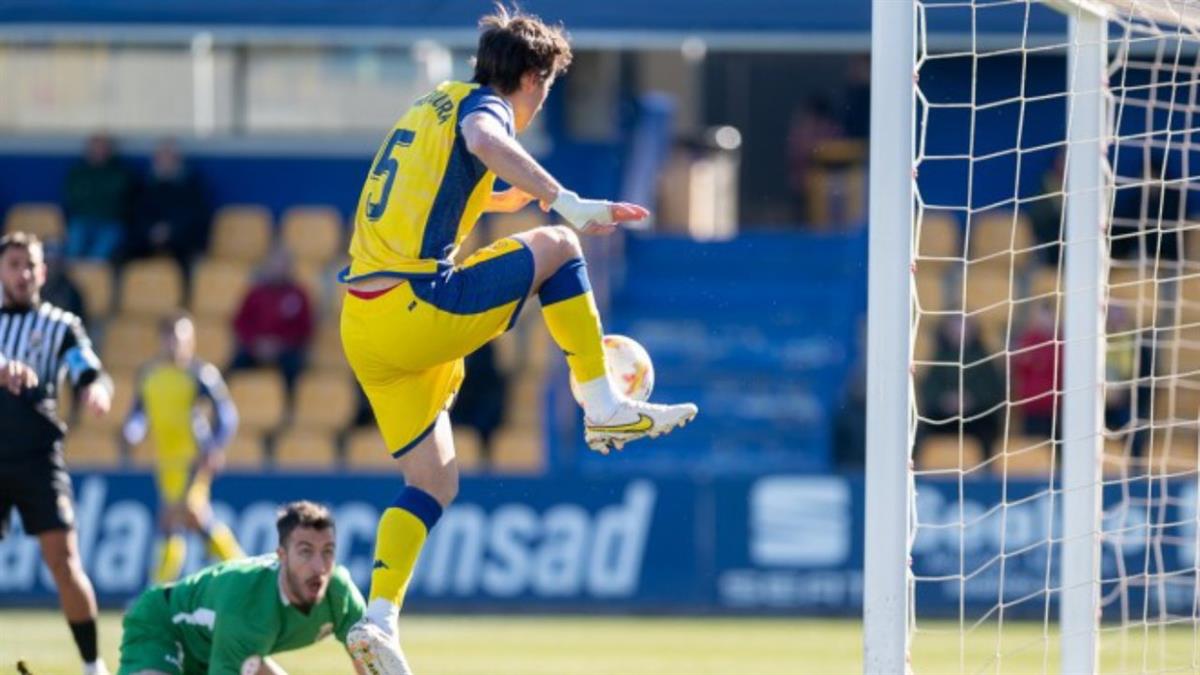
{"points": [[40, 490]]}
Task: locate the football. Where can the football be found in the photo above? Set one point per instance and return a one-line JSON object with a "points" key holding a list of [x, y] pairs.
{"points": [[629, 368]]}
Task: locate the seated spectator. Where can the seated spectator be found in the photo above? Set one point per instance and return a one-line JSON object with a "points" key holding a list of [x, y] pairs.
{"points": [[59, 289], [98, 193], [482, 398], [1045, 213], [943, 405], [1037, 369], [274, 324], [172, 216]]}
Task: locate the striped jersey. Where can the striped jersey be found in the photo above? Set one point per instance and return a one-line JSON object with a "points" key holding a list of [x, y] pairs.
{"points": [[53, 342], [425, 190]]}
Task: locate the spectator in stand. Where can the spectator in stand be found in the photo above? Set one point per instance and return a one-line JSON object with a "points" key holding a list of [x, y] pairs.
{"points": [[1045, 214], [482, 398], [59, 290], [274, 325], [943, 405], [1037, 367], [172, 211], [98, 195], [811, 125]]}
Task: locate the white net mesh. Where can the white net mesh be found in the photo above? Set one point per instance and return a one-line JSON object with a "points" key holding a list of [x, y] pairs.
{"points": [[988, 312]]}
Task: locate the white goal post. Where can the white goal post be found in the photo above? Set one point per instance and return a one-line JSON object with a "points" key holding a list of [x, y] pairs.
{"points": [[978, 482]]}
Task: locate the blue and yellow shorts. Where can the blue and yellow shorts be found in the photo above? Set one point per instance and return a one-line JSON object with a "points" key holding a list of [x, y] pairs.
{"points": [[406, 345]]}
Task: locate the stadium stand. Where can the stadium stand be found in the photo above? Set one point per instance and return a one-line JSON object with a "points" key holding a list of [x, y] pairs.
{"points": [[241, 232], [151, 288], [44, 220], [306, 450], [260, 399], [95, 282]]}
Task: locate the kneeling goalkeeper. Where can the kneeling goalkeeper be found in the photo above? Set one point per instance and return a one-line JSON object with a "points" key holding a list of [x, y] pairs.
{"points": [[229, 617]]}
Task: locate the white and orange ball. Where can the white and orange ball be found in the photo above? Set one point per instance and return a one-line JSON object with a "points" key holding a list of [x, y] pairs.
{"points": [[629, 368]]}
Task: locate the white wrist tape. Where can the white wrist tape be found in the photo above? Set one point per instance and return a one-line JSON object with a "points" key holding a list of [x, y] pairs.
{"points": [[579, 212]]}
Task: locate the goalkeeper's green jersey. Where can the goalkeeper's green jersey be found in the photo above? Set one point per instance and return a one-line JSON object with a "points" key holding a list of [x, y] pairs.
{"points": [[227, 613]]}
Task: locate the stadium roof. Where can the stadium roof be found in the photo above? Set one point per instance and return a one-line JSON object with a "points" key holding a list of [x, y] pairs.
{"points": [[746, 24]]}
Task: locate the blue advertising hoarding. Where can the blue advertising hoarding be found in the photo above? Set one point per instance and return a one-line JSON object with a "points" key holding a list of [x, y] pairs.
{"points": [[773, 543]]}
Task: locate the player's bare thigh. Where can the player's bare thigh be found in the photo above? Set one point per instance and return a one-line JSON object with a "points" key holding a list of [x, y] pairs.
{"points": [[431, 465], [551, 245]]}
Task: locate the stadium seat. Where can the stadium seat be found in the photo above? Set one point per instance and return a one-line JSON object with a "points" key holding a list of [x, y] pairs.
{"points": [[1043, 284], [518, 450], [1131, 288], [129, 342], [326, 352], [241, 232], [325, 401], [467, 448], [365, 450], [218, 287], [1025, 456], [92, 448], [939, 238], [260, 398], [95, 282], [313, 234], [152, 288], [317, 280], [124, 381], [1001, 239], [931, 286], [245, 452], [944, 453], [214, 341], [305, 450], [524, 405], [42, 219]]}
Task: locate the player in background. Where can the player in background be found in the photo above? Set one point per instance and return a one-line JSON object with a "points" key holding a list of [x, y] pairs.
{"points": [[413, 312], [38, 343], [189, 448], [230, 617]]}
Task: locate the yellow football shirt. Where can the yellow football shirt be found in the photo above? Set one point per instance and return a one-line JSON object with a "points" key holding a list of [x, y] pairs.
{"points": [[425, 190]]}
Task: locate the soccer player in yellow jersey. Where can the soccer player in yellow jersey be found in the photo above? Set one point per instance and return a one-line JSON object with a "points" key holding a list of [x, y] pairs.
{"points": [[413, 312], [189, 448]]}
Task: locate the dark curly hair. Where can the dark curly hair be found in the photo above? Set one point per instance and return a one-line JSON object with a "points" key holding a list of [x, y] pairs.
{"points": [[512, 44]]}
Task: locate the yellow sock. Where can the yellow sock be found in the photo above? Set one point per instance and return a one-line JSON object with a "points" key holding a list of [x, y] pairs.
{"points": [[172, 552], [569, 309], [222, 544], [398, 541]]}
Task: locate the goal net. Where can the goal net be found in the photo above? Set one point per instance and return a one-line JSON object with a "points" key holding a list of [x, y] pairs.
{"points": [[1054, 372]]}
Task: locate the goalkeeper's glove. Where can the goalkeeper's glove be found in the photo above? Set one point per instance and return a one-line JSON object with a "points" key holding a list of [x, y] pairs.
{"points": [[581, 212]]}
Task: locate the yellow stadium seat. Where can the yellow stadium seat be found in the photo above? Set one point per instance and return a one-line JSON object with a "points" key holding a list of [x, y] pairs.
{"points": [[945, 453], [152, 288], [315, 279], [1000, 238], [218, 287], [95, 282], [939, 238], [524, 407], [245, 452], [42, 219], [931, 286], [260, 398], [518, 451], [313, 234], [326, 353], [214, 341], [241, 232], [325, 401], [365, 450], [467, 448], [93, 448], [1025, 456], [129, 342], [305, 450]]}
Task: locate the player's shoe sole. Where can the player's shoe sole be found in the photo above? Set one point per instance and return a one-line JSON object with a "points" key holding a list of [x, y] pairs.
{"points": [[375, 651], [653, 420]]}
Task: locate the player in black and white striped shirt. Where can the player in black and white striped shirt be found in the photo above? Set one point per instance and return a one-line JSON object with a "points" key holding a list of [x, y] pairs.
{"points": [[39, 345]]}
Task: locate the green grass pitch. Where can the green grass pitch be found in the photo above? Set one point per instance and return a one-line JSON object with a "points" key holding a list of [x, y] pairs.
{"points": [[577, 645]]}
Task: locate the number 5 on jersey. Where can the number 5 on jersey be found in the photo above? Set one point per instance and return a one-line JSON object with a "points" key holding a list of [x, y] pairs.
{"points": [[387, 166]]}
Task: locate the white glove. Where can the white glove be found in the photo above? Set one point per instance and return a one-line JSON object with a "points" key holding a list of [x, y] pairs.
{"points": [[581, 212]]}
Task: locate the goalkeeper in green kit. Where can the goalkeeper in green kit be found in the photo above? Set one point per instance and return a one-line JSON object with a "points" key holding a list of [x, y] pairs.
{"points": [[229, 617]]}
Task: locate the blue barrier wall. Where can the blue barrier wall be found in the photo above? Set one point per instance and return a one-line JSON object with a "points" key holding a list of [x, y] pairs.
{"points": [[774, 543]]}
